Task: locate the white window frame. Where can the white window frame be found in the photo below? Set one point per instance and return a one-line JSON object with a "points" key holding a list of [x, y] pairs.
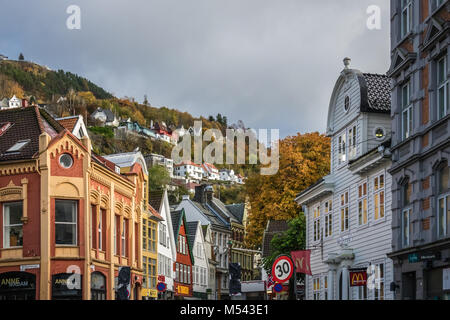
{"points": [[316, 288], [363, 199], [328, 219], [442, 85], [406, 12], [352, 141], [69, 223], [407, 112], [6, 242], [342, 148], [123, 239], [316, 223], [406, 227], [376, 194], [379, 280], [344, 211]]}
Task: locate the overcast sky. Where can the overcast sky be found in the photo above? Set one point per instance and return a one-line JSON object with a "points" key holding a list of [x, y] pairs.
{"points": [[272, 64]]}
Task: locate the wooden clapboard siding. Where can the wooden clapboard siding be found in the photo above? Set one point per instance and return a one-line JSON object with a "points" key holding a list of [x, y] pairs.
{"points": [[371, 242]]}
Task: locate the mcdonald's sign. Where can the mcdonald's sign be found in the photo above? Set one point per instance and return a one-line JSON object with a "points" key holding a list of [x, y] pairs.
{"points": [[358, 278]]}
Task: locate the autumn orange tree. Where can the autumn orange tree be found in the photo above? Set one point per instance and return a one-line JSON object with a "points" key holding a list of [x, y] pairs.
{"points": [[304, 159]]}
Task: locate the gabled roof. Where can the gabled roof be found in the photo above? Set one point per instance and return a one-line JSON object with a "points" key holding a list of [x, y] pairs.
{"points": [[155, 213], [24, 124], [155, 199], [110, 117], [273, 227], [126, 160], [237, 210], [68, 122], [178, 217], [191, 231]]}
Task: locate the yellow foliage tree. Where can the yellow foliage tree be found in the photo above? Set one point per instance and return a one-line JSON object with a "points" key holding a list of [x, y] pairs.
{"points": [[303, 160]]}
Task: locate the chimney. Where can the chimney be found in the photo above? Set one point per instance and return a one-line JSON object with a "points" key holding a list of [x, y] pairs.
{"points": [[203, 193]]}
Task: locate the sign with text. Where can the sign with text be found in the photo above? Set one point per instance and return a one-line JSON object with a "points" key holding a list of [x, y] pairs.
{"points": [[302, 261], [282, 269]]}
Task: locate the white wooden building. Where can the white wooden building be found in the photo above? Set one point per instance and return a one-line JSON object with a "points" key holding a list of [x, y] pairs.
{"points": [[348, 212]]}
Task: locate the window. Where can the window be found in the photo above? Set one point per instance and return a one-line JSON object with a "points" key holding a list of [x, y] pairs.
{"points": [[152, 273], [317, 223], [163, 234], [406, 215], [101, 230], [177, 272], [344, 212], [442, 88], [379, 282], [443, 201], [144, 235], [124, 236], [347, 103], [407, 116], [66, 161], [316, 288], [342, 151], [325, 287], [362, 204], [328, 219], [379, 133], [116, 235], [18, 146], [65, 222], [378, 196], [151, 236], [436, 4], [352, 142], [362, 292], [12, 225], [406, 17]]}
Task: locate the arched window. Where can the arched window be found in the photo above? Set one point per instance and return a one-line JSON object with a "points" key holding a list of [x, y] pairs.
{"points": [[443, 204]]}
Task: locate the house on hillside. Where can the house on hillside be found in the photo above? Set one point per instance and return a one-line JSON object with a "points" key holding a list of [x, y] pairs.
{"points": [[210, 171], [154, 159], [3, 57], [75, 125], [191, 171], [106, 117], [348, 212], [14, 102]]}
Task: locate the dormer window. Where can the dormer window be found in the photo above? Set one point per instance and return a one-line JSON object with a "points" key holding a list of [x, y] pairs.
{"points": [[18, 146]]}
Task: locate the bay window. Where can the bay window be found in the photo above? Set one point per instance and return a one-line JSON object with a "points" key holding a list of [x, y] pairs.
{"points": [[65, 222], [12, 225]]}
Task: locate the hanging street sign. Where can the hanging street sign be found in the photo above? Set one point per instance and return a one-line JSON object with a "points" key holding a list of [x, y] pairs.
{"points": [[282, 269]]}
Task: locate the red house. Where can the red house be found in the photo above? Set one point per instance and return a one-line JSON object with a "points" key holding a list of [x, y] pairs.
{"points": [[185, 259]]}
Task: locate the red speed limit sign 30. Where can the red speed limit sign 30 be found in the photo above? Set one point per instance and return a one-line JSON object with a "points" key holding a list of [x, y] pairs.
{"points": [[282, 269]]}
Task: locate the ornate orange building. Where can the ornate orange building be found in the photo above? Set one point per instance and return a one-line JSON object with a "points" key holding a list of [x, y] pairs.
{"points": [[69, 218]]}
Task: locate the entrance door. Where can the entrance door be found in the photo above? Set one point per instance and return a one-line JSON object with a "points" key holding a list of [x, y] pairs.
{"points": [[409, 286]]}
